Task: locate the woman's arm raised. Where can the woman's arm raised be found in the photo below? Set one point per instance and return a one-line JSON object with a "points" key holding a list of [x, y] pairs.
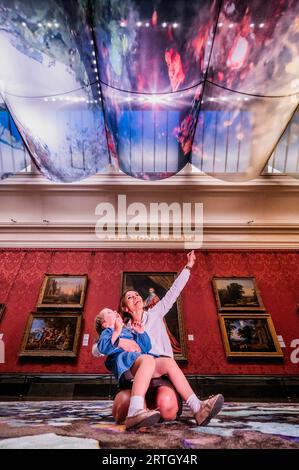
{"points": [[165, 304]]}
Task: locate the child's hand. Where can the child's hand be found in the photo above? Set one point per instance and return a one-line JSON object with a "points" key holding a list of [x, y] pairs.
{"points": [[118, 323], [136, 326], [191, 259]]}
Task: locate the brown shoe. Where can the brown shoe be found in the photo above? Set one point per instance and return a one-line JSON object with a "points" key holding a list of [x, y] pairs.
{"points": [[143, 418], [209, 408]]}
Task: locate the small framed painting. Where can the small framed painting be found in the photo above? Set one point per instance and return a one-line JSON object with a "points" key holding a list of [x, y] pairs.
{"points": [[48, 335], [237, 294], [249, 336], [62, 291]]}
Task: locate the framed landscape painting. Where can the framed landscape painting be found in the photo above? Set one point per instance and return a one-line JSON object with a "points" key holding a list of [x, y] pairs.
{"points": [[152, 286], [249, 336], [63, 291], [48, 335], [237, 294]]}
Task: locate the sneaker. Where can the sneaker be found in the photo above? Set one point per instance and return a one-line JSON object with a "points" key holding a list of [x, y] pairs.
{"points": [[143, 418], [209, 408]]}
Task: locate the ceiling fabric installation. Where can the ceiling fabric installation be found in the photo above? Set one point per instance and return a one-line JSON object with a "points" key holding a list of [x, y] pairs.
{"points": [[146, 86]]}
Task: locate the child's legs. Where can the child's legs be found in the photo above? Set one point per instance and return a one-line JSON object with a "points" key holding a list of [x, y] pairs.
{"points": [[167, 365], [142, 370]]}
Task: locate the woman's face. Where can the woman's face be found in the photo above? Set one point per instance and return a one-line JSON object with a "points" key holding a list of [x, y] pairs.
{"points": [[133, 301]]}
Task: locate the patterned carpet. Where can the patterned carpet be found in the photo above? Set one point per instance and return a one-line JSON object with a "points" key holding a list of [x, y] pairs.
{"points": [[89, 424]]}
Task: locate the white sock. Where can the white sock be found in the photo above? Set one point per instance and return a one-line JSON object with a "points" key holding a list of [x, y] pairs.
{"points": [[136, 404], [194, 403]]}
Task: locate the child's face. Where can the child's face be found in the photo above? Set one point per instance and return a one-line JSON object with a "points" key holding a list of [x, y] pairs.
{"points": [[108, 317]]}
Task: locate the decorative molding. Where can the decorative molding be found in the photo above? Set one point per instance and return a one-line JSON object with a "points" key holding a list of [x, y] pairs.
{"points": [[257, 214], [82, 235], [121, 182]]}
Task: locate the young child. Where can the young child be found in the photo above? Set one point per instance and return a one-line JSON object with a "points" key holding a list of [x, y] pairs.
{"points": [[140, 365]]}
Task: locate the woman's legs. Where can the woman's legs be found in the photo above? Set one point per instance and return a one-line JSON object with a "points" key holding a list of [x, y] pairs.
{"points": [[121, 405], [167, 403], [164, 398]]}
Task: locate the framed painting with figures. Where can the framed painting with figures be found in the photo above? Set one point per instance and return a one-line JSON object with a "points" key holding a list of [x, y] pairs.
{"points": [[49, 334], [152, 286]]}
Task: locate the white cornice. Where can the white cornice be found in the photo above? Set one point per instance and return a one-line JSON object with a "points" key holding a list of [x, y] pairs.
{"points": [[116, 182], [82, 235]]}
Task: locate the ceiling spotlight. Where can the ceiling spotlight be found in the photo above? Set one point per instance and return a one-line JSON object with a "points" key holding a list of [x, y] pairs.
{"points": [[39, 25], [23, 23], [164, 25], [175, 25], [147, 25], [49, 24], [56, 25], [251, 25], [231, 25], [261, 25], [220, 25], [139, 23], [123, 24], [94, 62]]}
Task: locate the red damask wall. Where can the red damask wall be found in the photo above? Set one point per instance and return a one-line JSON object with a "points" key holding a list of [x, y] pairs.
{"points": [[276, 272]]}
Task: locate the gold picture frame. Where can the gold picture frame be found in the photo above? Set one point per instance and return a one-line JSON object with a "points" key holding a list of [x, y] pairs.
{"points": [[51, 335], [63, 291], [160, 282], [2, 308], [237, 294], [246, 335]]}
